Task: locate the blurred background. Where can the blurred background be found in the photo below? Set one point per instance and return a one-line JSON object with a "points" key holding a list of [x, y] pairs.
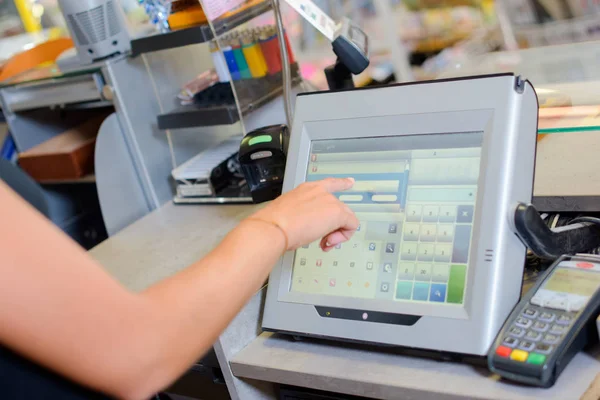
{"points": [[434, 34], [175, 84]]}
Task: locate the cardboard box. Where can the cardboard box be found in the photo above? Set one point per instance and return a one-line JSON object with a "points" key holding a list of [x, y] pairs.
{"points": [[69, 155]]}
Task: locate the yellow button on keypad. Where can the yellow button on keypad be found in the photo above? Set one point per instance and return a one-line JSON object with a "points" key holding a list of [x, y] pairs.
{"points": [[519, 355]]}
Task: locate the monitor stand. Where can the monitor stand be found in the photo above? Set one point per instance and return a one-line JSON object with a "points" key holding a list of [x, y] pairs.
{"points": [[339, 76]]}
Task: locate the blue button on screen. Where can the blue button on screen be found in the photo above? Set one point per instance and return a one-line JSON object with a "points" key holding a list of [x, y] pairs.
{"points": [[421, 291], [438, 293]]}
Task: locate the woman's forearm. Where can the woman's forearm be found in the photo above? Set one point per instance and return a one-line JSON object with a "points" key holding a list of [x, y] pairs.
{"points": [[63, 311], [194, 306]]}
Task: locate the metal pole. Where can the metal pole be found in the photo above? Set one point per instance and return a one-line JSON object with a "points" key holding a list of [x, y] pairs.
{"points": [[285, 60]]}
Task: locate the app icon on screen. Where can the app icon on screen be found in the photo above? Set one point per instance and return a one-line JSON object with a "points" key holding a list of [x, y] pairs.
{"points": [[332, 282], [387, 267], [369, 266], [319, 263], [372, 246], [385, 287]]}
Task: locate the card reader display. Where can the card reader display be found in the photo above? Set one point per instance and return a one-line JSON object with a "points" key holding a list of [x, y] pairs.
{"points": [[415, 197], [569, 288]]}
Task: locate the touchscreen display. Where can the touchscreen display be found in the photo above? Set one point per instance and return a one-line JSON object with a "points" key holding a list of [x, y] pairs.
{"points": [[415, 199]]}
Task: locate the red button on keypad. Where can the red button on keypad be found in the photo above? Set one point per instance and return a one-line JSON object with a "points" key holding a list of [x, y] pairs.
{"points": [[585, 265], [503, 351]]}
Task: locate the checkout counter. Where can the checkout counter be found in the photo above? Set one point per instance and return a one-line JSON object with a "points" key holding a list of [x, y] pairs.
{"points": [[254, 362]]}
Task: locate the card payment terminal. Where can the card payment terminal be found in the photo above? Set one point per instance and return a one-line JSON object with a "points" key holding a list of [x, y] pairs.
{"points": [[550, 324]]}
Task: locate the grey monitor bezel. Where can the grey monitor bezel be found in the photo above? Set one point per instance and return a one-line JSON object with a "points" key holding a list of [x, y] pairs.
{"points": [[489, 104]]}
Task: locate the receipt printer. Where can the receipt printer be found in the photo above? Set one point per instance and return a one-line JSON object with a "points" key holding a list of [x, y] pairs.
{"points": [[263, 155]]}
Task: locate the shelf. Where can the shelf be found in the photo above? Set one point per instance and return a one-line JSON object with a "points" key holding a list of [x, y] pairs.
{"points": [[252, 94], [197, 34], [91, 178], [63, 91], [194, 116]]}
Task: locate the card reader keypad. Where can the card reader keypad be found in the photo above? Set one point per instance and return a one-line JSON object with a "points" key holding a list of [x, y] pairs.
{"points": [[534, 335]]}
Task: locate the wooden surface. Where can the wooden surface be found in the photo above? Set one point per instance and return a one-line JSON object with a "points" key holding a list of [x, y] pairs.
{"points": [[567, 165], [566, 176], [165, 242], [3, 132], [593, 392], [90, 178], [67, 156]]}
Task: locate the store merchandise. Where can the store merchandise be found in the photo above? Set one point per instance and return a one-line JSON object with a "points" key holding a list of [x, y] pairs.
{"points": [[231, 63], [240, 60], [185, 14], [216, 8], [158, 11], [253, 53], [270, 49], [254, 56], [219, 62], [197, 85]]}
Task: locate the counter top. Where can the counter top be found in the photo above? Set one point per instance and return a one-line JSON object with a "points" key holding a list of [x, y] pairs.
{"points": [[165, 242], [172, 237], [381, 374]]}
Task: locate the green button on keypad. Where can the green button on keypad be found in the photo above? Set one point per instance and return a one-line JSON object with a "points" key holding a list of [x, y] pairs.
{"points": [[536, 359], [456, 284]]}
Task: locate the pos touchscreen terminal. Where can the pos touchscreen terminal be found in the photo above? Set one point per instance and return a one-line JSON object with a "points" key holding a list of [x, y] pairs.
{"points": [[438, 168]]}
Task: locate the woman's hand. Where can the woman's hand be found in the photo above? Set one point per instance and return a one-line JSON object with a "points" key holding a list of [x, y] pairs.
{"points": [[311, 212]]}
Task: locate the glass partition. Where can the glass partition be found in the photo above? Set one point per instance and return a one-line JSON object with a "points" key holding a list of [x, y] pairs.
{"points": [[564, 76]]}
